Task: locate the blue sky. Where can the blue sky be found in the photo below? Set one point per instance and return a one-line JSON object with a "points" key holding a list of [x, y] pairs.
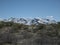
{"points": [[30, 8]]}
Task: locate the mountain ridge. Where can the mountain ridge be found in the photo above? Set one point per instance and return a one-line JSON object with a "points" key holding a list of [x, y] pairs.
{"points": [[29, 21]]}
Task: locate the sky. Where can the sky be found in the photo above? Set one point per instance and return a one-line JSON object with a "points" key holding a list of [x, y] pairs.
{"points": [[30, 8]]}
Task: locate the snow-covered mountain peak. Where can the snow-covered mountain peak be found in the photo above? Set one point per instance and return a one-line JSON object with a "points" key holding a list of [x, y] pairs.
{"points": [[30, 21]]}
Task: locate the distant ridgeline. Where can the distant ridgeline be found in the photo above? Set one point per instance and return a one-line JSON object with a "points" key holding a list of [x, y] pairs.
{"points": [[29, 21]]}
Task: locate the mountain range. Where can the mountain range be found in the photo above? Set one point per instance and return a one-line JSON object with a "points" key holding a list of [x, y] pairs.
{"points": [[29, 21]]}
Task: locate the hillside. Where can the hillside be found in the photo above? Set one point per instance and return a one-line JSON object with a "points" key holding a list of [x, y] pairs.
{"points": [[20, 34]]}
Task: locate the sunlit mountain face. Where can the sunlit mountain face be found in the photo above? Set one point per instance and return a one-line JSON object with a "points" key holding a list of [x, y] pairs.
{"points": [[30, 21]]}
